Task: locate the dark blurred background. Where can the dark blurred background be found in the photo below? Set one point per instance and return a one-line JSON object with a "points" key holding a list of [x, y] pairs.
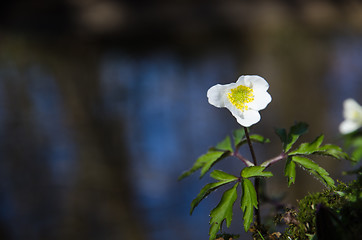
{"points": [[103, 104]]}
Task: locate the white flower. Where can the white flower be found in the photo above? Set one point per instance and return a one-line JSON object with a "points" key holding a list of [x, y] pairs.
{"points": [[352, 113], [243, 99]]}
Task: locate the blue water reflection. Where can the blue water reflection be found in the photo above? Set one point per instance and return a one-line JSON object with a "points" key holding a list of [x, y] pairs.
{"points": [[168, 122], [49, 120]]}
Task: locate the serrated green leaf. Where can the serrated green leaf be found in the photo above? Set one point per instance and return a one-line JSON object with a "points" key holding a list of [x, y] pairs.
{"points": [[316, 148], [207, 165], [333, 151], [259, 138], [222, 176], [295, 132], [248, 202], [206, 190], [224, 145], [207, 159], [308, 148], [282, 134], [306, 162], [223, 211], [238, 136], [324, 179], [314, 169], [289, 171], [255, 171]]}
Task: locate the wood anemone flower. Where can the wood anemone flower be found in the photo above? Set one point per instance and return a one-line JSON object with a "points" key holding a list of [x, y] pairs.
{"points": [[244, 99], [352, 113]]}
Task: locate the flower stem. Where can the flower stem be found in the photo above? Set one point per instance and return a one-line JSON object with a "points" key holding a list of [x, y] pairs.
{"points": [[250, 146], [244, 160], [256, 182], [274, 160]]}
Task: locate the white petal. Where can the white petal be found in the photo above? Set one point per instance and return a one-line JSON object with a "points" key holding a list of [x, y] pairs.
{"points": [[254, 82], [348, 126], [249, 118], [259, 83], [351, 104], [352, 110], [234, 110], [241, 81], [215, 95], [261, 100]]}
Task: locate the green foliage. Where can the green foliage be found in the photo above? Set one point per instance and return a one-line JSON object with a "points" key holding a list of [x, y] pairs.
{"points": [[223, 178], [204, 162], [248, 202], [314, 169], [223, 211], [289, 171], [249, 198], [301, 155], [282, 134], [316, 148], [258, 138], [295, 132], [353, 141], [227, 236], [225, 145], [339, 211], [357, 152], [255, 171], [309, 148], [220, 151], [239, 138], [224, 208]]}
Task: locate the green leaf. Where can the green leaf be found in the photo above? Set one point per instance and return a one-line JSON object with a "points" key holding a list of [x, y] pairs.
{"points": [[357, 155], [314, 169], [282, 133], [222, 176], [259, 138], [238, 136], [206, 190], [333, 151], [255, 171], [295, 132], [205, 162], [248, 202], [354, 142], [316, 148], [223, 211], [308, 148], [289, 171], [225, 145], [209, 164]]}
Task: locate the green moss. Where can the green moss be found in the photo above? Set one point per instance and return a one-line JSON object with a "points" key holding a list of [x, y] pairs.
{"points": [[339, 210], [227, 236]]}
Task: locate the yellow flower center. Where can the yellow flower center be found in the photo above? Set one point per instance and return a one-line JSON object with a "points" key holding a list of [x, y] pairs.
{"points": [[240, 96], [356, 116]]}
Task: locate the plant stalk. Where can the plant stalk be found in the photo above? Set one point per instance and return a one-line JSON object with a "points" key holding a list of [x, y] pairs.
{"points": [[256, 182], [274, 160]]}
